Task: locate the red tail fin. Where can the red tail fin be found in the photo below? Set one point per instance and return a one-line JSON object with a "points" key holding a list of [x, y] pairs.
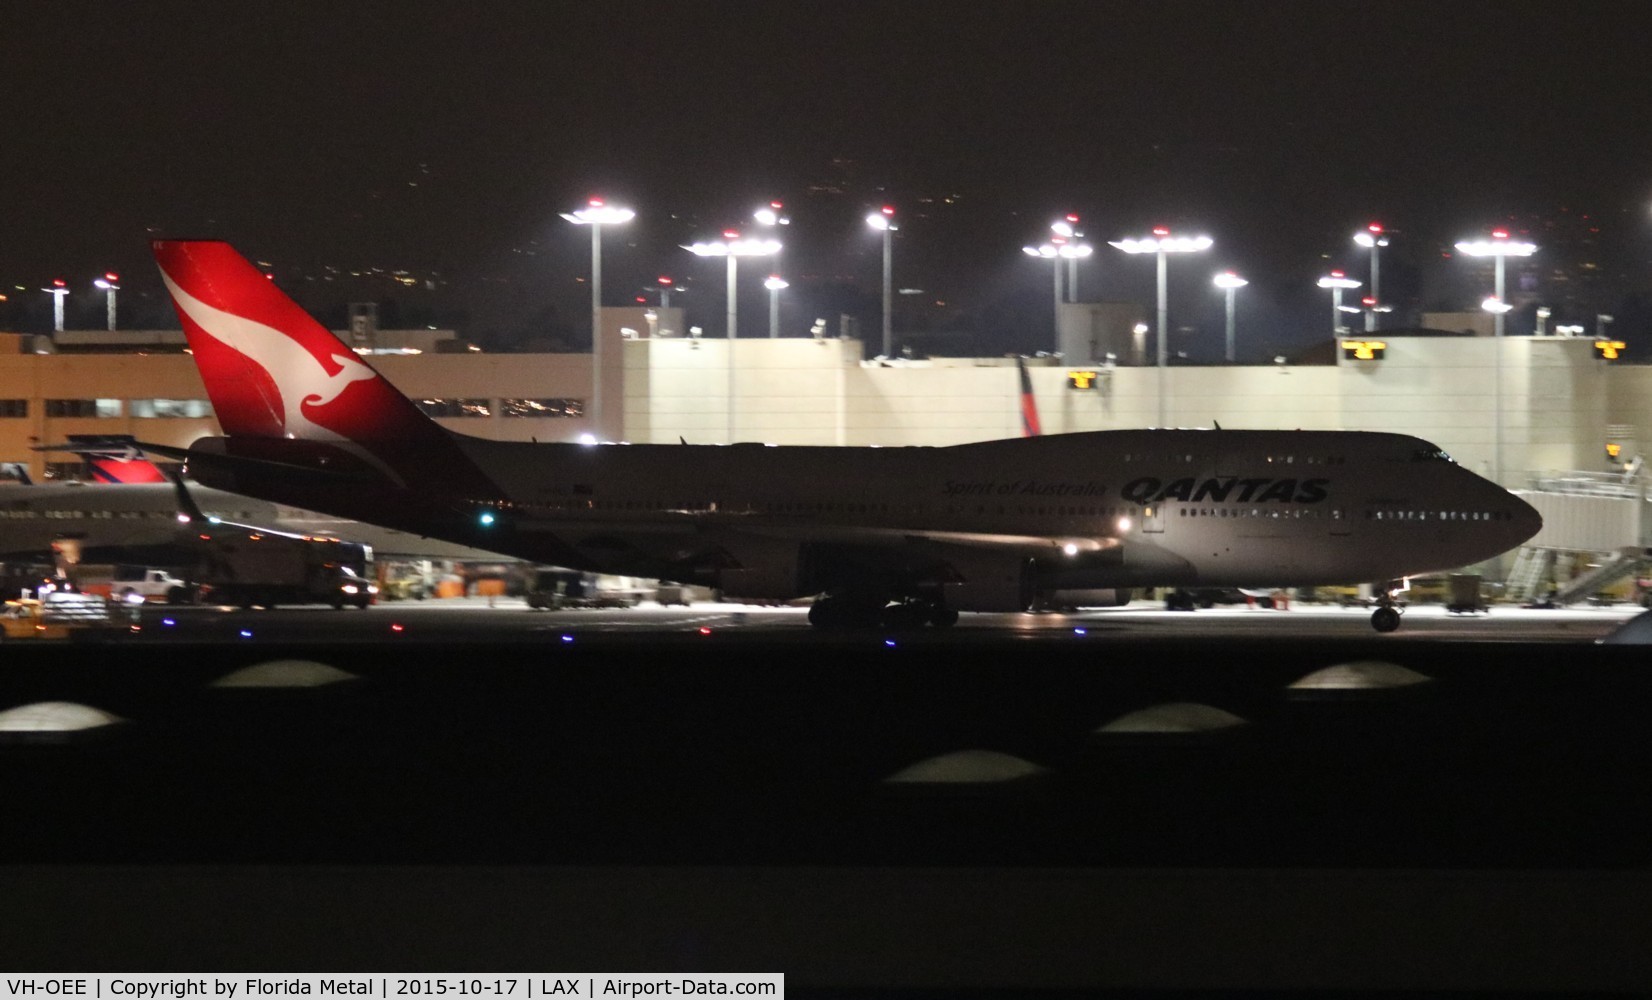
{"points": [[270, 369], [274, 374], [1029, 407]]}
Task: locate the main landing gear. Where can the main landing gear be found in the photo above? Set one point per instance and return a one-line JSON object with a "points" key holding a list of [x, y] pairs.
{"points": [[862, 611]]}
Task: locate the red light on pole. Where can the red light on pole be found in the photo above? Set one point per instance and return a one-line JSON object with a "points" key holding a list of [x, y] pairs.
{"points": [[1072, 217], [888, 210], [777, 206], [1499, 234], [59, 283], [663, 280], [1368, 302], [1161, 230], [596, 203], [110, 276], [731, 234], [1338, 274], [1374, 228]]}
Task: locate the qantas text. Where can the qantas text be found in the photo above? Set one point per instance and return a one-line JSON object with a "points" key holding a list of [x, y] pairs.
{"points": [[1227, 489]]}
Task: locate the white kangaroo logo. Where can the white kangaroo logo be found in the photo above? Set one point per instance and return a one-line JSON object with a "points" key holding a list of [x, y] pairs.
{"points": [[299, 378]]}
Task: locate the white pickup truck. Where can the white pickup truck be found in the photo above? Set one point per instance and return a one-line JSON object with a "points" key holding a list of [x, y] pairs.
{"points": [[137, 584]]}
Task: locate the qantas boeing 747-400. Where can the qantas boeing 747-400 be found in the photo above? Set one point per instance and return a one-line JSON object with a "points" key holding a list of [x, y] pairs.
{"points": [[879, 535]]}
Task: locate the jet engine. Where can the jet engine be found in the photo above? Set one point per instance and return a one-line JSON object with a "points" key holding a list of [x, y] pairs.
{"points": [[756, 569], [988, 581]]}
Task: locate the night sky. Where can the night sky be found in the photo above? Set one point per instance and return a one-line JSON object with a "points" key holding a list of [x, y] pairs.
{"points": [[442, 140]]}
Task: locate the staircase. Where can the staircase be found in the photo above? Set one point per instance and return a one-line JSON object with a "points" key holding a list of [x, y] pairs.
{"points": [[1531, 568], [1623, 562]]}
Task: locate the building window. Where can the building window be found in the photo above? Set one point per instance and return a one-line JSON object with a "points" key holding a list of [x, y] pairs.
{"points": [[542, 407], [14, 407], [455, 407], [60, 471], [171, 408], [83, 408]]}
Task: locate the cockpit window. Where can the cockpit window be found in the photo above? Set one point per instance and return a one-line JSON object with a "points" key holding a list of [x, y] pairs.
{"points": [[1430, 455]]}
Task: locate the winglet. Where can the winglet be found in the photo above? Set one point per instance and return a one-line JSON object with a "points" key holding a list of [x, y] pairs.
{"points": [[186, 503]]}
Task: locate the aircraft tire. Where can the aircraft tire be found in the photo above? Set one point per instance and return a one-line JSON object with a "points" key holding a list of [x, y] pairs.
{"points": [[1385, 620], [942, 616]]}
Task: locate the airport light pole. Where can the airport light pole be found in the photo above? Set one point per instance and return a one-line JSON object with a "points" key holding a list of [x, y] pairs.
{"points": [[1337, 282], [732, 247], [1229, 283], [1056, 251], [110, 283], [664, 286], [883, 221], [1373, 239], [1161, 243], [1499, 247], [1065, 230], [1498, 308], [774, 283], [59, 289], [597, 214]]}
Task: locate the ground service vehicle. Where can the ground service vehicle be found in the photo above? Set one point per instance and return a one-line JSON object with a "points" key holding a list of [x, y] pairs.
{"points": [[563, 588], [134, 584], [250, 566], [56, 615]]}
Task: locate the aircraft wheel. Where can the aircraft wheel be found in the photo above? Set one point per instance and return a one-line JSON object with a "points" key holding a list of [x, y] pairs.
{"points": [[1385, 619], [942, 616]]}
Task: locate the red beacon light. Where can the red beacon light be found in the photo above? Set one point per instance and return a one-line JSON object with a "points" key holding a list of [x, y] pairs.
{"points": [[663, 279], [1499, 234], [1368, 301], [110, 276], [1375, 227], [1161, 230], [596, 202], [59, 283], [888, 210], [1338, 274]]}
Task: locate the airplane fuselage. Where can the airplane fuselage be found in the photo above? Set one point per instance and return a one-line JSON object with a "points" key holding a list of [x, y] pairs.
{"points": [[1099, 509]]}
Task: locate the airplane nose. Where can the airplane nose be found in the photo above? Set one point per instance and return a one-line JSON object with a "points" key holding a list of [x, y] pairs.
{"points": [[1525, 523]]}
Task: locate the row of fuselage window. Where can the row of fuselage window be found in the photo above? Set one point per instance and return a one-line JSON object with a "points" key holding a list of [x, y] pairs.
{"points": [[1294, 513], [68, 514], [1186, 459]]}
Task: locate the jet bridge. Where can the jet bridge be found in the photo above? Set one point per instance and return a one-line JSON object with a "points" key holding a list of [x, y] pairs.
{"points": [[1588, 517]]}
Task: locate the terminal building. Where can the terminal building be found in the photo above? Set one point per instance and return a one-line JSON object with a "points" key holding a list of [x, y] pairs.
{"points": [[1557, 418]]}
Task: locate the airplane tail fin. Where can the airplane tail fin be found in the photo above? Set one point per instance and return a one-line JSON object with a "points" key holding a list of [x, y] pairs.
{"points": [[1029, 406], [113, 458], [274, 374]]}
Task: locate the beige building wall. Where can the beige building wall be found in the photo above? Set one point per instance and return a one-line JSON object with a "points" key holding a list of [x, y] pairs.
{"points": [[1558, 399]]}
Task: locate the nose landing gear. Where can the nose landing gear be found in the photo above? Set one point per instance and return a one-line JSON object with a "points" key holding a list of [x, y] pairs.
{"points": [[1386, 617]]}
